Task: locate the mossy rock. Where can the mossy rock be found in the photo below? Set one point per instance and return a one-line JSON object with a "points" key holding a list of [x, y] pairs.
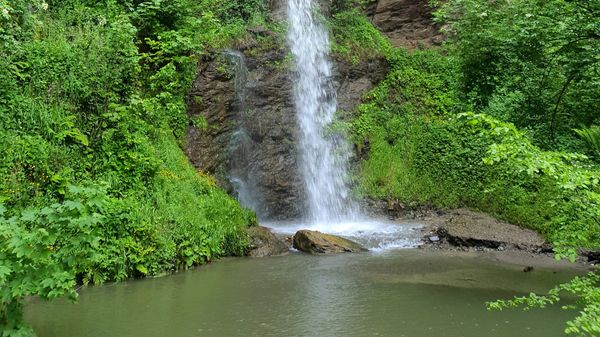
{"points": [[264, 243], [314, 242]]}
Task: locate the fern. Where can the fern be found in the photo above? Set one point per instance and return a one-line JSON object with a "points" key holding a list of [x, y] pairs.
{"points": [[591, 136]]}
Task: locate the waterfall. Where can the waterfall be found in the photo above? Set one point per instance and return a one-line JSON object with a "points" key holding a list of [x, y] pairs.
{"points": [[324, 155]]}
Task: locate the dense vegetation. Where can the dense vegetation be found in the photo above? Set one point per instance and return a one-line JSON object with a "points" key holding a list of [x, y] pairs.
{"points": [[94, 185], [484, 123], [532, 63]]}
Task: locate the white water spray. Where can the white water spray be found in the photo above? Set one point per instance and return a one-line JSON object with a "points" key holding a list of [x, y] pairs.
{"points": [[324, 155]]}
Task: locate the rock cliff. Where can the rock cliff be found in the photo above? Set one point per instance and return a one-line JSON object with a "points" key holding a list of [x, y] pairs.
{"points": [[266, 117], [244, 124], [407, 23]]}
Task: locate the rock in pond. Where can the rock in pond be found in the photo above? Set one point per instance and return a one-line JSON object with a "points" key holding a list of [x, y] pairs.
{"points": [[264, 243], [314, 242]]}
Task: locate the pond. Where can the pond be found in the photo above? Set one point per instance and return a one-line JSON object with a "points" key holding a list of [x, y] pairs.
{"points": [[409, 292]]}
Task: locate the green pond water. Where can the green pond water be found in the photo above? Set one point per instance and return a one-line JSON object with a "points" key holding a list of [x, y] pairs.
{"points": [[398, 293]]}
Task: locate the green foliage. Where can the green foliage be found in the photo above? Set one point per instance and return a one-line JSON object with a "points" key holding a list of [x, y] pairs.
{"points": [[215, 217], [421, 151], [534, 64], [587, 291], [418, 147], [44, 249], [355, 38], [94, 95], [531, 63], [591, 136], [564, 179], [391, 123], [229, 11]]}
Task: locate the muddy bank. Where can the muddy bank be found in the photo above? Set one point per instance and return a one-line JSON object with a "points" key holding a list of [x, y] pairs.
{"points": [[468, 231]]}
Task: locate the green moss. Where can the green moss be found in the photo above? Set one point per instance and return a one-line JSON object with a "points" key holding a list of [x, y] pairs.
{"points": [[355, 38], [269, 39]]}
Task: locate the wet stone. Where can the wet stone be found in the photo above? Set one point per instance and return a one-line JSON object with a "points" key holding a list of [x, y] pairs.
{"points": [[314, 242]]}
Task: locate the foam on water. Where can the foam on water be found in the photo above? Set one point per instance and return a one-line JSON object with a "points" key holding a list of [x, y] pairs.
{"points": [[374, 234]]}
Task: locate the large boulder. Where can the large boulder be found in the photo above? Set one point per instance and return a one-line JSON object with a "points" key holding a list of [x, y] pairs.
{"points": [[264, 243], [314, 242]]}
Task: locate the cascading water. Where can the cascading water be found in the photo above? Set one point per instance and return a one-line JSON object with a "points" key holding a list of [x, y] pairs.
{"points": [[324, 155]]}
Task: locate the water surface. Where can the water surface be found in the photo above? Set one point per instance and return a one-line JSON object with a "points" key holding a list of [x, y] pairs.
{"points": [[396, 293]]}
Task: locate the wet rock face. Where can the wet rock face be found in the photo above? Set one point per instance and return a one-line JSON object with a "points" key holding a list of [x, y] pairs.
{"points": [[268, 118], [314, 242], [353, 81], [407, 23], [277, 9], [211, 98]]}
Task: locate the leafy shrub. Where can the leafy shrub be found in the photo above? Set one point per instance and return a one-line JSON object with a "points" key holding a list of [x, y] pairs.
{"points": [[591, 136], [95, 95], [586, 289], [243, 10], [44, 249], [355, 38]]}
